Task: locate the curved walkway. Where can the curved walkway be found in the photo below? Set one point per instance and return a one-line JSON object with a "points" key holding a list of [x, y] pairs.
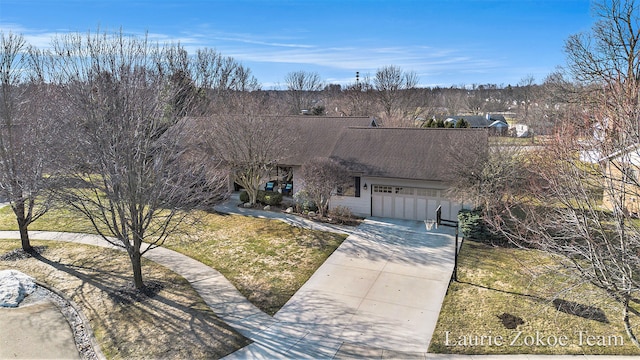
{"points": [[214, 288]]}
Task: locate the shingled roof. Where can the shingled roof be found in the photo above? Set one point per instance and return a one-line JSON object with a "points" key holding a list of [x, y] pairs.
{"points": [[316, 136], [407, 153], [365, 149], [478, 121]]}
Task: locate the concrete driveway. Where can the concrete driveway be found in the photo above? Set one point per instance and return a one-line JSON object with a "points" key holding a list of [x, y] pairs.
{"points": [[379, 293]]}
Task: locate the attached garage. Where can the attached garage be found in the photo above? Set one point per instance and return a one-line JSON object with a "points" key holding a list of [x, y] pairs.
{"points": [[400, 172], [411, 203]]}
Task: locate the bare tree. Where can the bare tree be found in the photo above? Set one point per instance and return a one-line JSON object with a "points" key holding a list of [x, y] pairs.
{"points": [[606, 62], [359, 100], [525, 95], [125, 156], [476, 99], [394, 89], [453, 100], [320, 178], [560, 210], [24, 132], [490, 178], [208, 79], [248, 143], [303, 88]]}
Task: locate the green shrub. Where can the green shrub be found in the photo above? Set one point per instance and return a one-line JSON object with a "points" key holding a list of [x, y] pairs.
{"points": [[462, 123], [473, 227], [272, 198], [429, 123]]}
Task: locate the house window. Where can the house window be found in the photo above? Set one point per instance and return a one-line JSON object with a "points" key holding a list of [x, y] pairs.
{"points": [[427, 192], [382, 189], [404, 190], [352, 190]]}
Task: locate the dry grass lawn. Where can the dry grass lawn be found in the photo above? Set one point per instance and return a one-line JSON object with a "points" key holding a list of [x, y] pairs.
{"points": [[523, 289], [267, 261], [173, 323]]}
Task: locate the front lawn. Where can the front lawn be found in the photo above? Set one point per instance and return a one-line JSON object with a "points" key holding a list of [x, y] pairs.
{"points": [[507, 301], [267, 260]]}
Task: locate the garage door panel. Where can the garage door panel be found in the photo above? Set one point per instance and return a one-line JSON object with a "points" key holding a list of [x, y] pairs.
{"points": [[432, 206], [376, 205], [421, 209], [387, 206], [410, 203], [446, 209], [410, 208], [398, 210]]}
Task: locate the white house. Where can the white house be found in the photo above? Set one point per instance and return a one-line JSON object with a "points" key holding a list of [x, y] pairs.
{"points": [[397, 172]]}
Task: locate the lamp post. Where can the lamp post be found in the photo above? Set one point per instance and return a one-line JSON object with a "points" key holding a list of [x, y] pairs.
{"points": [[453, 224]]}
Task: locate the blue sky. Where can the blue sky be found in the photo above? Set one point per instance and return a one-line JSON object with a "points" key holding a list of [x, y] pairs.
{"points": [[446, 42]]}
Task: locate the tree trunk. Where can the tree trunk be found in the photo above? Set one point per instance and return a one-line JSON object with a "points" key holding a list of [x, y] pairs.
{"points": [[322, 207], [136, 264], [18, 209], [24, 237], [253, 196]]}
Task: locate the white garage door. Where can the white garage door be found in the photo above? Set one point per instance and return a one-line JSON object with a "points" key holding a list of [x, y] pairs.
{"points": [[411, 203]]}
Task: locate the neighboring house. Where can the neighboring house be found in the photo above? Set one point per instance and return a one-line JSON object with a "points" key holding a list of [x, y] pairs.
{"points": [[397, 172], [624, 168], [497, 123], [520, 130]]}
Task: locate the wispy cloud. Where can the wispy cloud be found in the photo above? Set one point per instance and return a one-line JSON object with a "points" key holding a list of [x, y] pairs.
{"points": [[279, 50]]}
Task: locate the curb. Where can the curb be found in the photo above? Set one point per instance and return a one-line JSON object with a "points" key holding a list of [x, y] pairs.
{"points": [[95, 347]]}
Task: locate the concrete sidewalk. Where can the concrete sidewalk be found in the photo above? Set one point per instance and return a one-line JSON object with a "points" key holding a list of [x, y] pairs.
{"points": [[36, 331]]}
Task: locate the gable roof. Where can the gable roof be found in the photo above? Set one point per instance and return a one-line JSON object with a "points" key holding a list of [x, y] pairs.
{"points": [[407, 153]]}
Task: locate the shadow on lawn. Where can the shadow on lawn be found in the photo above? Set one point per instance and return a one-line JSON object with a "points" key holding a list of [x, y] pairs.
{"points": [[130, 319], [568, 307]]}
